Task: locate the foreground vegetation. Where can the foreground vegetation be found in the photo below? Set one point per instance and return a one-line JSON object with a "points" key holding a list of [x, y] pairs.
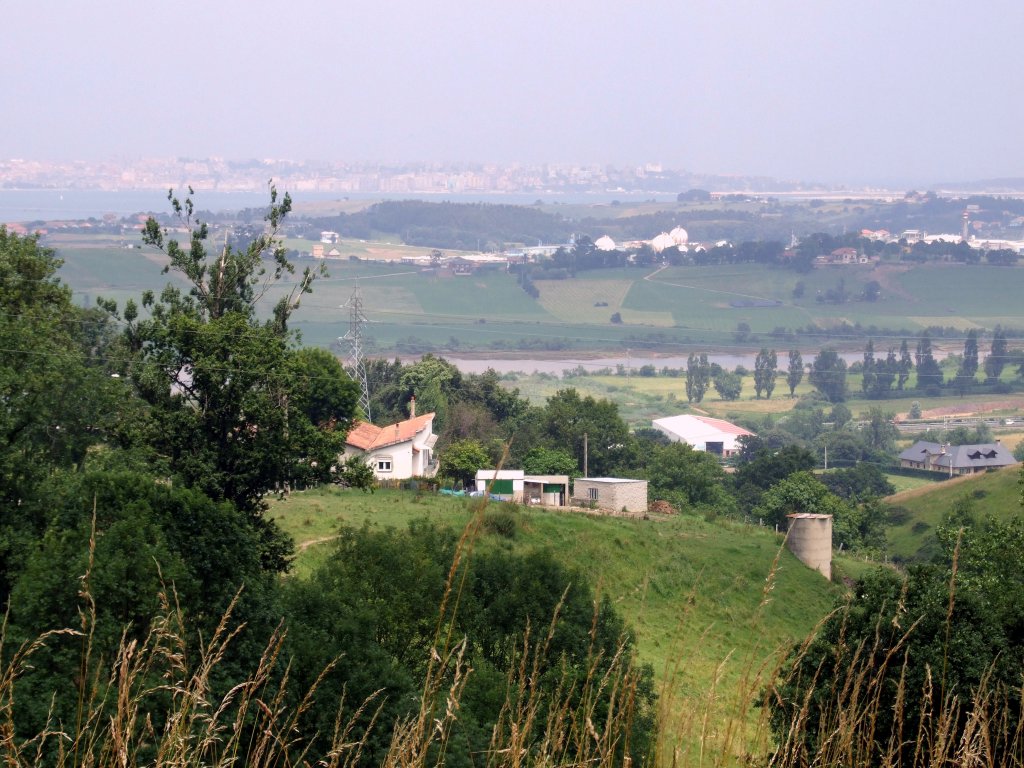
{"points": [[849, 694]]}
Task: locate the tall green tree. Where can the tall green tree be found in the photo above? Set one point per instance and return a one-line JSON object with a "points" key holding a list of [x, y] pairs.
{"points": [[795, 372], [800, 492], [766, 367], [228, 395], [430, 398], [969, 365], [880, 432], [906, 365], [59, 404], [461, 460], [997, 356], [687, 477], [869, 372], [828, 375], [585, 424], [57, 393], [134, 537], [885, 374], [698, 377], [327, 400], [728, 385], [430, 370], [550, 461], [929, 374]]}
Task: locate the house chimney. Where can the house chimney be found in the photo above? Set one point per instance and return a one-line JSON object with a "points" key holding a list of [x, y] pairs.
{"points": [[412, 407]]}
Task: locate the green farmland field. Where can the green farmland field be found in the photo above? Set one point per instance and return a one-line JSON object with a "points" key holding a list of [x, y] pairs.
{"points": [[660, 310]]}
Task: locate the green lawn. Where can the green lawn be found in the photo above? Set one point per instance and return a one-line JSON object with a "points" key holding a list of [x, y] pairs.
{"points": [[903, 483]]}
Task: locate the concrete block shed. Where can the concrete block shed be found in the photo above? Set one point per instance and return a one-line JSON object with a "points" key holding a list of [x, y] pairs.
{"points": [[549, 490], [612, 494]]}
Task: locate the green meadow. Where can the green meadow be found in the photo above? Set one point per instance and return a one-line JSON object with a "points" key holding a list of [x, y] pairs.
{"points": [[708, 600], [919, 511]]}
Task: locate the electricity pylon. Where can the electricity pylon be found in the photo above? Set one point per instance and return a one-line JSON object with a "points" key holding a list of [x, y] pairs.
{"points": [[355, 364]]}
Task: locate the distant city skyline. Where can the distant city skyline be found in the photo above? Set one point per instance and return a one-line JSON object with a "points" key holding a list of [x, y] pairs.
{"points": [[515, 182], [900, 94]]}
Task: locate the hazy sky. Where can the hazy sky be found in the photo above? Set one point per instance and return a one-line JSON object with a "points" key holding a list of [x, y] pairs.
{"points": [[911, 91]]}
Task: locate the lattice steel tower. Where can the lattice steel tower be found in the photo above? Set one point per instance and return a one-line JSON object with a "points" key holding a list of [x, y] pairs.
{"points": [[355, 365]]}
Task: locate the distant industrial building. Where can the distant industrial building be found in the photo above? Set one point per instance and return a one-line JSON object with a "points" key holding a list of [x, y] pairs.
{"points": [[703, 433]]}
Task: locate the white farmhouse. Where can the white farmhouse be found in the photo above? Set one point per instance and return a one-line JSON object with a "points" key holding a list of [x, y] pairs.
{"points": [[703, 433], [396, 451]]}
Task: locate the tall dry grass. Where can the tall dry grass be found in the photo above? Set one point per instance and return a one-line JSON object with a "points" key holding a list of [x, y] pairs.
{"points": [[153, 704]]}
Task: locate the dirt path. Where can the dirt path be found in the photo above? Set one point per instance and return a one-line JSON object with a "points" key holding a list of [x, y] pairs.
{"points": [[969, 408], [885, 274], [313, 542]]}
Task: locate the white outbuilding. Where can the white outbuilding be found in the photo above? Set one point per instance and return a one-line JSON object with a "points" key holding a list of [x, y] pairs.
{"points": [[502, 484], [703, 433], [661, 242], [604, 243]]}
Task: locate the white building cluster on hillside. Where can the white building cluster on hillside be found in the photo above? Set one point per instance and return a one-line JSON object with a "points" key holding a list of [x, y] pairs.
{"points": [[677, 238]]}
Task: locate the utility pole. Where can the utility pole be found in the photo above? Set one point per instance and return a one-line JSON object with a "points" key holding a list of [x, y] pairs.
{"points": [[355, 365], [585, 455]]}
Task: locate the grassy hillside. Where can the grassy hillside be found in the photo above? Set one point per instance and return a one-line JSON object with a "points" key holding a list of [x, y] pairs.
{"points": [[921, 510], [704, 598]]}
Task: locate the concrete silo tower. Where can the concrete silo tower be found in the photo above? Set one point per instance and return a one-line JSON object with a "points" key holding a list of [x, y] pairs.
{"points": [[810, 539]]}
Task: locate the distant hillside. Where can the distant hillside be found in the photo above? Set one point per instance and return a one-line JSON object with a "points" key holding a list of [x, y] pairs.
{"points": [[917, 513]]}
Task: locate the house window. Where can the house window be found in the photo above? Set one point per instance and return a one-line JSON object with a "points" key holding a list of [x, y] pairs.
{"points": [[383, 463], [593, 493]]}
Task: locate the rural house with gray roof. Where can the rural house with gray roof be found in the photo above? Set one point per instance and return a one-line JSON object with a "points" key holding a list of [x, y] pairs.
{"points": [[956, 459]]}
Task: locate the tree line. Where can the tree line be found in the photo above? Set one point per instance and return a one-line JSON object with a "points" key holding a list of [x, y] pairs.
{"points": [[881, 376]]}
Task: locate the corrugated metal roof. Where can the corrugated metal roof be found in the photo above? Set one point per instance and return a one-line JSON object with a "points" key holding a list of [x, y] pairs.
{"points": [[695, 428]]}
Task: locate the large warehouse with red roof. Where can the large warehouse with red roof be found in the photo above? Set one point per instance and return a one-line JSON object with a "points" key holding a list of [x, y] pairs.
{"points": [[703, 433]]}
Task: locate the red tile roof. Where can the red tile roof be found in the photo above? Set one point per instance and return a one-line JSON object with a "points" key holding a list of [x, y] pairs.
{"points": [[366, 436], [723, 426]]}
